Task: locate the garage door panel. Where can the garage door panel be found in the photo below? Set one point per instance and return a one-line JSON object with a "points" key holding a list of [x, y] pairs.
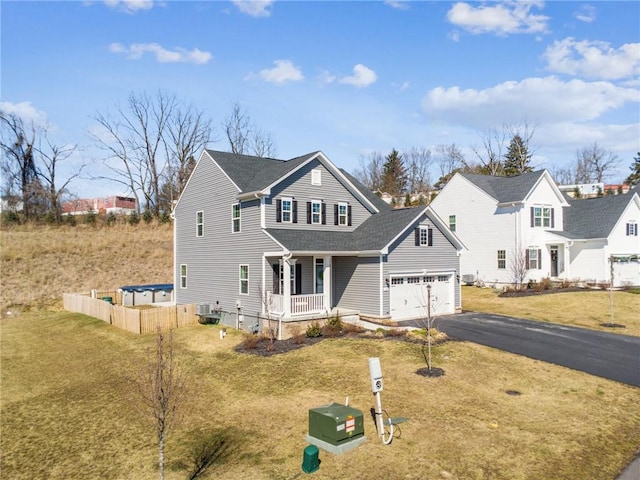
{"points": [[408, 295]]}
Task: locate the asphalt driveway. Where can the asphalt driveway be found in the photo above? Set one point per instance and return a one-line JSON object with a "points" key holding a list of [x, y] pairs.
{"points": [[607, 355]]}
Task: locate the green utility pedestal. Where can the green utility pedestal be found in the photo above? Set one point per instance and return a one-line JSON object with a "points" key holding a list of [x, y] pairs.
{"points": [[310, 460]]}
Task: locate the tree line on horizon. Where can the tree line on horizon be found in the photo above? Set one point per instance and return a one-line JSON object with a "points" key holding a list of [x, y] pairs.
{"points": [[151, 142]]}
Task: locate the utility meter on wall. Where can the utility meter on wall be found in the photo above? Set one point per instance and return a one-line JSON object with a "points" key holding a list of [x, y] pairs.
{"points": [[376, 374]]}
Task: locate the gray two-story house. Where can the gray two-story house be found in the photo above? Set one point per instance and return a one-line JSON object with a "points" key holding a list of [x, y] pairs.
{"points": [[299, 239]]}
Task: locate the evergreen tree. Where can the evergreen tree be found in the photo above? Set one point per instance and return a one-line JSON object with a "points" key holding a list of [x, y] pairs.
{"points": [[394, 176], [634, 177], [517, 158]]}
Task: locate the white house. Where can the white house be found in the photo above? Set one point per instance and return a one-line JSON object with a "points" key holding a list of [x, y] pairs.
{"points": [[525, 223]]}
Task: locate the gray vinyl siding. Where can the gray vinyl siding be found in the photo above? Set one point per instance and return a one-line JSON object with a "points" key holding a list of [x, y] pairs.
{"points": [[356, 284], [298, 187], [405, 256], [213, 260]]}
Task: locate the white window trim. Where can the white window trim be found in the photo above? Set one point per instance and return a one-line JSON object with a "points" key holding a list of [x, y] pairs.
{"points": [[424, 241], [542, 216], [316, 262], [240, 279], [183, 277], [533, 258], [319, 214], [233, 219], [200, 223], [344, 215], [454, 223], [282, 202], [632, 229], [504, 259]]}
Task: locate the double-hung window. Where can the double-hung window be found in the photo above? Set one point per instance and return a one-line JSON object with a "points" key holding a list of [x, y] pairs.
{"points": [[452, 223], [287, 209], [502, 259], [316, 212], [244, 279], [343, 211], [632, 229], [199, 223], [424, 237], [541, 217], [183, 276], [235, 217], [533, 258]]}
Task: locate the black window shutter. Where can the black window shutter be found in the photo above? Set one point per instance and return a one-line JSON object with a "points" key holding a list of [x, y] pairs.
{"points": [[417, 237], [276, 278], [324, 213], [308, 212], [628, 229], [349, 215], [295, 211], [532, 217], [539, 259], [278, 210], [527, 258], [335, 213], [298, 278], [553, 219], [430, 234]]}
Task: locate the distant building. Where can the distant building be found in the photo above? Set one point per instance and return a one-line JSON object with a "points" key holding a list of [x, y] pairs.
{"points": [[616, 188], [11, 204], [586, 190], [114, 204]]}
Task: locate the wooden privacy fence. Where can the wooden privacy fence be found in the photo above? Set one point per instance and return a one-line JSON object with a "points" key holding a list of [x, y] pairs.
{"points": [[131, 319]]}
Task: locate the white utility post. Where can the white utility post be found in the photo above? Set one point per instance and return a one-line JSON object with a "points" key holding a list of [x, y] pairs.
{"points": [[375, 371]]}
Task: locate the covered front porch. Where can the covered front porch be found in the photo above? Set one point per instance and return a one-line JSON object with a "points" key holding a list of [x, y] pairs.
{"points": [[298, 287]]}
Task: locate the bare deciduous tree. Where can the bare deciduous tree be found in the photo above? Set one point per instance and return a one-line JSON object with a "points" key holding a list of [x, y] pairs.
{"points": [[244, 137], [492, 151], [19, 170], [370, 171], [594, 164], [152, 140], [418, 164], [518, 266], [161, 388]]}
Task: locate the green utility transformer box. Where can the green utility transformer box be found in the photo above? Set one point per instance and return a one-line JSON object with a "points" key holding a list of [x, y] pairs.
{"points": [[333, 426]]}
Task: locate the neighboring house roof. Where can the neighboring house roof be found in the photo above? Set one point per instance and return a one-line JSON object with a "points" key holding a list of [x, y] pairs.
{"points": [[506, 189], [374, 235], [592, 218]]}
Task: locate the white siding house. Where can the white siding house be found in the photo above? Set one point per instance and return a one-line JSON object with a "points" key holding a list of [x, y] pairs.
{"points": [[525, 224]]}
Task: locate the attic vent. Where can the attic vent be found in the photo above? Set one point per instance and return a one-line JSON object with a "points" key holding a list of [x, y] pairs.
{"points": [[204, 309], [316, 177]]}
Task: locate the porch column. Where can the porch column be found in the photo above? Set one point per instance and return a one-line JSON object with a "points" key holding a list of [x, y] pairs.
{"points": [[286, 287], [326, 281]]}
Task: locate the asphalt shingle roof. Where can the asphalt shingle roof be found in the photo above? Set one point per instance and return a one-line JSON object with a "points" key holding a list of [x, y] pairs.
{"points": [[251, 173], [505, 189], [374, 234], [593, 217]]}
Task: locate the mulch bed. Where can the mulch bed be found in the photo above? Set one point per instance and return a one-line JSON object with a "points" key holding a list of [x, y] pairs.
{"points": [[527, 292], [261, 346]]}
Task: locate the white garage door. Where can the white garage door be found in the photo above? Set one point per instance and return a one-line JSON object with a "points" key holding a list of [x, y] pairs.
{"points": [[409, 295]]}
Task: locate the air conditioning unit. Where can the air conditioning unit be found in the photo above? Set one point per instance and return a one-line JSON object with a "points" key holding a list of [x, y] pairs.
{"points": [[204, 308], [468, 279]]}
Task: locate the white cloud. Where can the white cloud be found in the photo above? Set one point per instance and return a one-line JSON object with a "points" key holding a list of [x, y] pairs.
{"points": [[547, 100], [179, 55], [254, 8], [130, 6], [362, 77], [399, 4], [27, 112], [326, 77], [502, 18], [284, 71], [593, 59], [586, 13]]}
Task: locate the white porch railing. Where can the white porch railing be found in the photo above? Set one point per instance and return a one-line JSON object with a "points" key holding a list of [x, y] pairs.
{"points": [[300, 304]]}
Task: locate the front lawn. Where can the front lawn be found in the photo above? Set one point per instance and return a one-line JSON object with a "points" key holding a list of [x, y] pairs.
{"points": [[67, 411], [588, 309]]}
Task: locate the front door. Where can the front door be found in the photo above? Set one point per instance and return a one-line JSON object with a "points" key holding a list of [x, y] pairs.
{"points": [[554, 260]]}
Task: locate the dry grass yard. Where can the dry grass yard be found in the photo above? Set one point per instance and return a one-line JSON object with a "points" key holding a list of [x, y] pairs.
{"points": [[67, 411]]}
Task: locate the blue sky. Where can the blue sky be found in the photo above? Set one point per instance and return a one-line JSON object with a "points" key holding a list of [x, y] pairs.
{"points": [[347, 78]]}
